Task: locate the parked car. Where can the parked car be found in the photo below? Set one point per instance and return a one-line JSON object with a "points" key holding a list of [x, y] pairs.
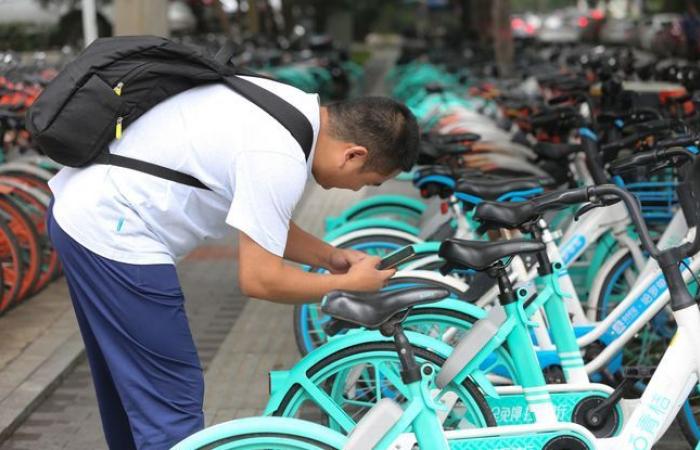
{"points": [[619, 32], [590, 24], [560, 27], [32, 23], [525, 26], [663, 34]]}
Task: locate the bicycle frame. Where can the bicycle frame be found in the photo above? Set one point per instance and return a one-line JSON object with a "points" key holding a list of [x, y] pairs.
{"points": [[675, 377]]}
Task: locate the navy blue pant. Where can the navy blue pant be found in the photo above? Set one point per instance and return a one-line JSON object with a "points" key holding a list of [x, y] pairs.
{"points": [[144, 364]]}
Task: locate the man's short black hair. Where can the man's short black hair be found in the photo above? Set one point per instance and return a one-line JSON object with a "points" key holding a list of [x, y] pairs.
{"points": [[385, 127]]}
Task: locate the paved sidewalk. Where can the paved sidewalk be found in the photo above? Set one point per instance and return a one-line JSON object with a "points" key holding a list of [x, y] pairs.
{"points": [[69, 418], [39, 342]]}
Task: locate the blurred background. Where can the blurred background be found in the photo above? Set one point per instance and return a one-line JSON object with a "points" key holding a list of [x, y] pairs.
{"points": [[662, 27]]}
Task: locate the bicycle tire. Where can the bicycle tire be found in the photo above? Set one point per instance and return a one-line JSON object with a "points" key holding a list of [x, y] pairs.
{"points": [[655, 328], [11, 264], [32, 181], [468, 386], [28, 239], [36, 208], [688, 420]]}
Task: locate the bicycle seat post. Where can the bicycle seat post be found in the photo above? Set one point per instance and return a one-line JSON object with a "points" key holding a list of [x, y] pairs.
{"points": [[410, 369], [506, 294], [544, 265]]}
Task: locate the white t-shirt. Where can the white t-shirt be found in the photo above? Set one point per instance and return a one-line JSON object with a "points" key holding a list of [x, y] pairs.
{"points": [[255, 168]]}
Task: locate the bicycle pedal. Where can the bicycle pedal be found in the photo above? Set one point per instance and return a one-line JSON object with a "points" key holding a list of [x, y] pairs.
{"points": [[638, 372]]}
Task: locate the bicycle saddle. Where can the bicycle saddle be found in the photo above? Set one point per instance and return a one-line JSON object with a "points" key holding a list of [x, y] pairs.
{"points": [[549, 150], [373, 309], [504, 214], [480, 255], [493, 188]]}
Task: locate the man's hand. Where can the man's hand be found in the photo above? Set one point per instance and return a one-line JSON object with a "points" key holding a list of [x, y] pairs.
{"points": [[342, 259], [364, 276]]}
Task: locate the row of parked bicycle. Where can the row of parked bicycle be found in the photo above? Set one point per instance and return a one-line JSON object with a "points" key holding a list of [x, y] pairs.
{"points": [[545, 296], [27, 259]]}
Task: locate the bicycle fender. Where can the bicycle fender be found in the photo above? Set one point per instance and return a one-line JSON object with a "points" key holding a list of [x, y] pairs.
{"points": [[361, 224]]}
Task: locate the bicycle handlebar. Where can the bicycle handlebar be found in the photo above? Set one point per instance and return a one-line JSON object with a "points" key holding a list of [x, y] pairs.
{"points": [[625, 142], [649, 157], [444, 139], [558, 199], [682, 141], [630, 201], [593, 162]]}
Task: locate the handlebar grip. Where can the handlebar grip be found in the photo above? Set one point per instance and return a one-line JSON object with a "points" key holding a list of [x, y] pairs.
{"points": [[624, 142], [636, 160], [682, 141], [453, 149], [456, 138], [543, 119], [558, 100], [652, 126], [559, 199]]}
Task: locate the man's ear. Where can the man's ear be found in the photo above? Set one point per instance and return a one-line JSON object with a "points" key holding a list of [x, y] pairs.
{"points": [[355, 156]]}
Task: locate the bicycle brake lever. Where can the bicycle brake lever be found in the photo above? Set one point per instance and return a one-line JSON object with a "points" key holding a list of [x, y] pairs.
{"points": [[660, 166], [599, 202], [586, 208]]}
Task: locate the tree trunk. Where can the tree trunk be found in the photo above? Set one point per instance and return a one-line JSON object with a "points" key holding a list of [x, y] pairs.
{"points": [[502, 36], [481, 19], [223, 19], [141, 17], [253, 17]]}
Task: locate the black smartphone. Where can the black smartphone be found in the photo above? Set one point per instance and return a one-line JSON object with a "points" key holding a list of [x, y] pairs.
{"points": [[394, 259]]}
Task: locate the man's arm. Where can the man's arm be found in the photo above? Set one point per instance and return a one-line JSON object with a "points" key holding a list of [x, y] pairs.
{"points": [[265, 275], [305, 248]]}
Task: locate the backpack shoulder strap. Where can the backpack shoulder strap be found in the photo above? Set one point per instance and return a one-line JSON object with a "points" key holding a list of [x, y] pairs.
{"points": [[152, 169], [286, 114]]}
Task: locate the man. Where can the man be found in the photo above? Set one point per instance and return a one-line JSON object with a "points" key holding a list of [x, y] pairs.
{"points": [[119, 233]]}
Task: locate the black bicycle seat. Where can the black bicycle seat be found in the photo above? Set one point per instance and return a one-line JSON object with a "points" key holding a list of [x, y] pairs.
{"points": [[371, 310], [480, 255], [549, 150], [493, 188], [504, 214]]}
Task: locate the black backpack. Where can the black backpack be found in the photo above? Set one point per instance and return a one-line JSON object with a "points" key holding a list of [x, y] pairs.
{"points": [[116, 80]]}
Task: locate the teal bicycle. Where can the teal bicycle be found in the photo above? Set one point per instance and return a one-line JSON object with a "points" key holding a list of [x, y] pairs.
{"points": [[418, 422]]}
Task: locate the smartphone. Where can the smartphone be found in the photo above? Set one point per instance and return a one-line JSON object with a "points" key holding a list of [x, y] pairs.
{"points": [[400, 256]]}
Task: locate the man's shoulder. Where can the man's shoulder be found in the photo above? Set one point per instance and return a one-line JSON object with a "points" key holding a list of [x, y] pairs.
{"points": [[307, 103]]}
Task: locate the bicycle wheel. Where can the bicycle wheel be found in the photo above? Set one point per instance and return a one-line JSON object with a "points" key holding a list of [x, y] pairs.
{"points": [[28, 239], [35, 205], [263, 433], [11, 264], [649, 344], [356, 378]]}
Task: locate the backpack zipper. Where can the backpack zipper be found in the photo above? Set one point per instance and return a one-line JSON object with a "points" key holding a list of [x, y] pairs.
{"points": [[118, 131], [119, 87]]}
